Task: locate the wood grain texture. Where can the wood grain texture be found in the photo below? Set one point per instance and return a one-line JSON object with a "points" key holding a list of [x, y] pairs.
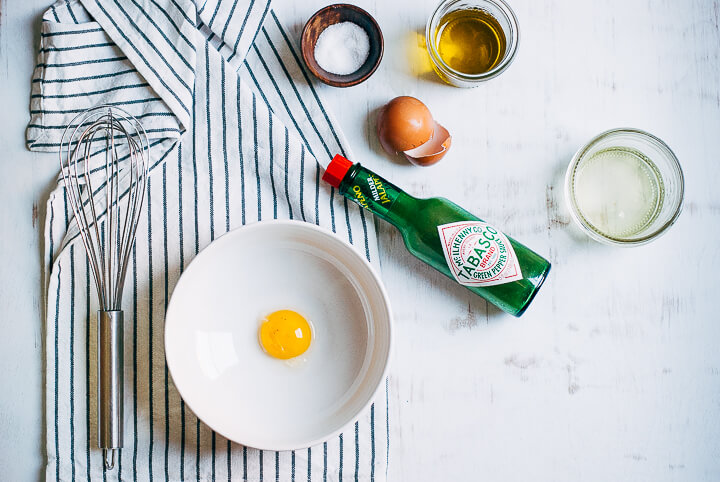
{"points": [[612, 374]]}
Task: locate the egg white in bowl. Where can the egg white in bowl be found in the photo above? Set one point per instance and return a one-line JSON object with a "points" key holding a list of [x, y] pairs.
{"points": [[215, 356]]}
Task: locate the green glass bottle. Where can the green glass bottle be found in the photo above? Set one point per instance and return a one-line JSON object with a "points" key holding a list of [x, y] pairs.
{"points": [[450, 239]]}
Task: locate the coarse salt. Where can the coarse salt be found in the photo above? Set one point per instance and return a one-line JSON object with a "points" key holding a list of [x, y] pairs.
{"points": [[342, 48]]}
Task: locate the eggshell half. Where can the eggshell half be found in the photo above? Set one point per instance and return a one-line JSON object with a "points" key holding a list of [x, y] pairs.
{"points": [[404, 123], [433, 150]]}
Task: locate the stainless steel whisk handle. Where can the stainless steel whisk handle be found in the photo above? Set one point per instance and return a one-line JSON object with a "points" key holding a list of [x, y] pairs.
{"points": [[110, 384], [106, 194]]}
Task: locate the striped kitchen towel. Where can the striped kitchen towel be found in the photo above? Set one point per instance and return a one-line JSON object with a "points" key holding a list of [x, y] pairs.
{"points": [[238, 134]]}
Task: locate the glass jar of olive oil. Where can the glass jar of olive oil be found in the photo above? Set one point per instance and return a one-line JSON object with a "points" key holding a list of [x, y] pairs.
{"points": [[470, 41]]}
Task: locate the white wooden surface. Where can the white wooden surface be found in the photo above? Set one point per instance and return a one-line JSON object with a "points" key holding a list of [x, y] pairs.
{"points": [[614, 372]]}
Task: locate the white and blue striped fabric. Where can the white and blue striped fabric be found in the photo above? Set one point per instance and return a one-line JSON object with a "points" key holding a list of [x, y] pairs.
{"points": [[238, 134]]}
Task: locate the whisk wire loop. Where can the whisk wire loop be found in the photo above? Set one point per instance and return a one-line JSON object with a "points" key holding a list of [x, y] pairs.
{"points": [[106, 194]]}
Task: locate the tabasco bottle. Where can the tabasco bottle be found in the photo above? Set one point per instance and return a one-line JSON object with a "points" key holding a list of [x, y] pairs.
{"points": [[450, 239]]}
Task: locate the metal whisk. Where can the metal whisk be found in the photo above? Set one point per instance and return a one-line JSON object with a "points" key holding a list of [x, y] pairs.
{"points": [[104, 157]]}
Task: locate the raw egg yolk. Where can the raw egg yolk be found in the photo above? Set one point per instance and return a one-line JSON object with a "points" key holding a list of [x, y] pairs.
{"points": [[285, 334]]}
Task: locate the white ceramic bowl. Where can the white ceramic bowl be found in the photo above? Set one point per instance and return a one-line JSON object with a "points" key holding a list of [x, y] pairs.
{"points": [[211, 341]]}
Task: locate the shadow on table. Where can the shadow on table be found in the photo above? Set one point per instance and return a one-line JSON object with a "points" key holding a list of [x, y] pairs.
{"points": [[419, 63], [558, 213], [39, 216]]}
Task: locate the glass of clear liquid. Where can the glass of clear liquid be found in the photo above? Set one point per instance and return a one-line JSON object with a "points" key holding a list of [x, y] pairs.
{"points": [[625, 187]]}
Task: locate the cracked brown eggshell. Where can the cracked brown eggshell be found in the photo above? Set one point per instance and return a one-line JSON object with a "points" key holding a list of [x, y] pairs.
{"points": [[433, 150], [403, 124]]}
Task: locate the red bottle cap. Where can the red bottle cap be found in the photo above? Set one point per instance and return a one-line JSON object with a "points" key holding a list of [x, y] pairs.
{"points": [[336, 170]]}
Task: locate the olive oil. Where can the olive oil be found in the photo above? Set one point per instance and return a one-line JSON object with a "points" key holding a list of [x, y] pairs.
{"points": [[470, 41]]}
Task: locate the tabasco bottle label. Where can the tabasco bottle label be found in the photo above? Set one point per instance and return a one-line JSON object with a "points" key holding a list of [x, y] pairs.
{"points": [[372, 192], [478, 254]]}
